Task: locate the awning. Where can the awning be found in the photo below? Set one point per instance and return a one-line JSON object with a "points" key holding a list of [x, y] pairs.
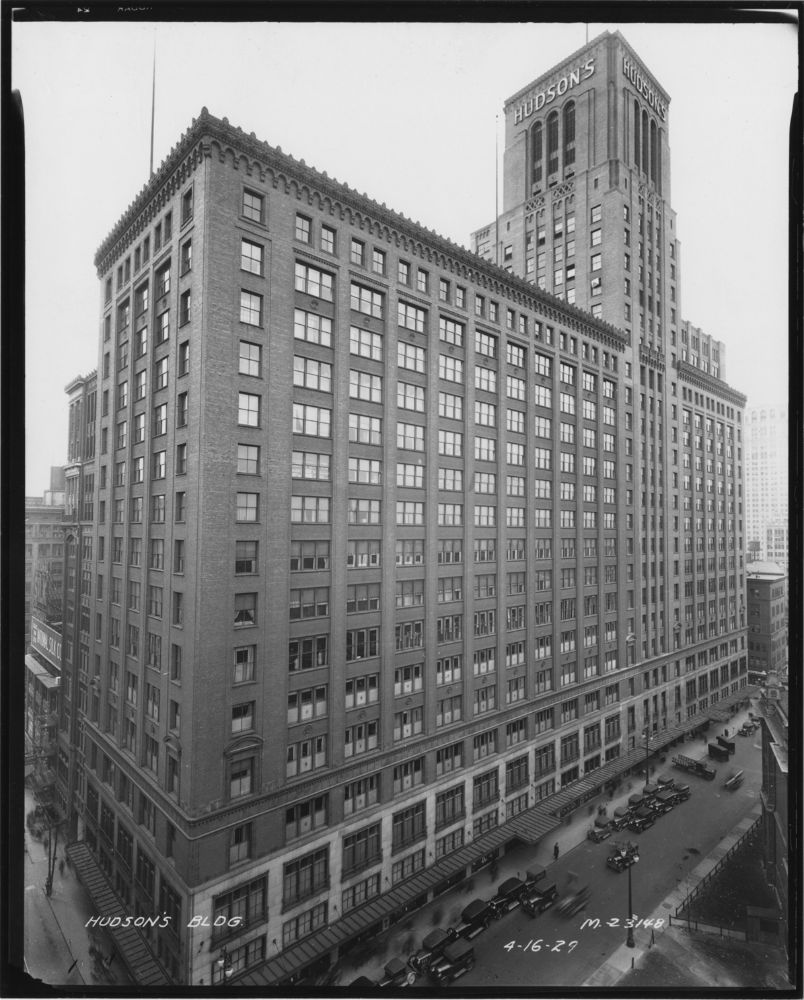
{"points": [[131, 946], [41, 673]]}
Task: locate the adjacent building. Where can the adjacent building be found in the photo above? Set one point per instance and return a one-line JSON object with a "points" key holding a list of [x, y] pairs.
{"points": [[767, 619], [42, 679], [383, 545], [767, 484], [775, 721], [44, 553]]}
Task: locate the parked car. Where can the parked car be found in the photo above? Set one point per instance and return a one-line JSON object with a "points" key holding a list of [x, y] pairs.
{"points": [[665, 781], [458, 957], [432, 948], [635, 801], [536, 901], [476, 917], [649, 791], [641, 820], [508, 895], [531, 878], [681, 792], [396, 975], [575, 903], [664, 801], [622, 814], [598, 834]]}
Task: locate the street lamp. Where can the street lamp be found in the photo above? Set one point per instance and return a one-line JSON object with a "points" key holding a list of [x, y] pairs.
{"points": [[225, 964], [629, 940], [647, 750]]}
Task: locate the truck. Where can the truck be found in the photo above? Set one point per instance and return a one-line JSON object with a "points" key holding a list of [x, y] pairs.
{"points": [[699, 767], [729, 745], [717, 752]]}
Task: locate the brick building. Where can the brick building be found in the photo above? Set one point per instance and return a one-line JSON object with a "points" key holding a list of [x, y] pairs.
{"points": [[44, 553], [766, 584], [390, 551]]}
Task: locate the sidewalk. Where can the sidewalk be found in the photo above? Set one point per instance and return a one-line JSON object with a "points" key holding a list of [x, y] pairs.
{"points": [[56, 935]]}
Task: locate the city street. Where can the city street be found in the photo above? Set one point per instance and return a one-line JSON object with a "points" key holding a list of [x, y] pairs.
{"points": [[57, 942], [668, 851]]}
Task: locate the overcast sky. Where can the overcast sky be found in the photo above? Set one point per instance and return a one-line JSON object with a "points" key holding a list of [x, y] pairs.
{"points": [[405, 113]]}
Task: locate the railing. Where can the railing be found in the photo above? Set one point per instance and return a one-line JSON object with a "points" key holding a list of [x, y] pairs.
{"points": [[750, 834]]}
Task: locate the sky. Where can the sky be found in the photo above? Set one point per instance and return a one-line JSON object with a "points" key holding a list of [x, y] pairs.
{"points": [[406, 113]]}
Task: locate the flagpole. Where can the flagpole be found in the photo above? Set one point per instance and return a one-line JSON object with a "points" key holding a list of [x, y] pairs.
{"points": [[496, 192], [153, 105]]}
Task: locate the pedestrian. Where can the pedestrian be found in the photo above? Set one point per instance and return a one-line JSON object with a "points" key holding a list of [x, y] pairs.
{"points": [[555, 852], [725, 732]]}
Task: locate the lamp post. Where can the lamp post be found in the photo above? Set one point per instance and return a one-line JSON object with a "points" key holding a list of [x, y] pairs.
{"points": [[647, 750], [629, 940], [225, 965]]}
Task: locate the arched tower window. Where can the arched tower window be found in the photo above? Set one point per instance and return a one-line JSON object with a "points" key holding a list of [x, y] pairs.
{"points": [[537, 152], [645, 142], [552, 143], [569, 135], [636, 133], [653, 154]]}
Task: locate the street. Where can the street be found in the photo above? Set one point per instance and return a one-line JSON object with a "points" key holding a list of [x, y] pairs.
{"points": [[543, 952], [59, 949]]}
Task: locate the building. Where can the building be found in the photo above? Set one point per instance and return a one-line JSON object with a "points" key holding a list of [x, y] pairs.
{"points": [[767, 484], [767, 619], [76, 630], [394, 554], [774, 719], [42, 678], [44, 553]]}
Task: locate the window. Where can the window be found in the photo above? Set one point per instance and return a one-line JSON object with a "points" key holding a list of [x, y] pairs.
{"points": [[302, 230], [314, 282], [327, 239], [248, 506], [410, 397], [450, 369], [251, 256], [410, 436], [450, 331], [312, 328], [365, 344], [364, 429], [411, 357], [411, 317], [363, 511], [366, 300], [253, 205], [313, 421]]}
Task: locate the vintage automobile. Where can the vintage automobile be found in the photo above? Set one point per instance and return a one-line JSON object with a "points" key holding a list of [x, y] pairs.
{"points": [[665, 781], [729, 745], [622, 814], [623, 857], [458, 958], [598, 834], [734, 782], [575, 903], [531, 878], [641, 820], [508, 895], [663, 801], [536, 901], [681, 792], [397, 975], [635, 801], [476, 917], [748, 728], [432, 948]]}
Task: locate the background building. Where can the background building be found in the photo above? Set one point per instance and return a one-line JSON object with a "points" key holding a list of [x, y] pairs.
{"points": [[774, 794], [44, 553], [767, 483], [767, 619], [383, 548]]}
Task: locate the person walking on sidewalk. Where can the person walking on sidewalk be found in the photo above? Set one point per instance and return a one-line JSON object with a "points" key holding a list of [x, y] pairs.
{"points": [[555, 852]]}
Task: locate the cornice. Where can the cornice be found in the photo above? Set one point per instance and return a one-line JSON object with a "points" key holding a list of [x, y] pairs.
{"points": [[703, 380], [208, 136]]}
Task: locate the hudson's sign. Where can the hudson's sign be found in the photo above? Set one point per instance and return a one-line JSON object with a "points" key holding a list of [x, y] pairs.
{"points": [[46, 641], [643, 86], [557, 89]]}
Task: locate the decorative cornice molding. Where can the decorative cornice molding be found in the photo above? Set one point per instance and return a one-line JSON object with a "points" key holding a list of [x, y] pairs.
{"points": [[209, 136], [703, 380]]}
